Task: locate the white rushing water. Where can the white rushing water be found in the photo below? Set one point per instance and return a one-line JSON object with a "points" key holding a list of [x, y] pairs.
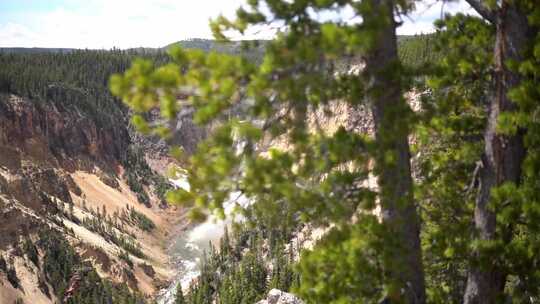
{"points": [[188, 248]]}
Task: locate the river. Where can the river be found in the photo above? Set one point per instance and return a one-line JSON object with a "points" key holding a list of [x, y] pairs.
{"points": [[186, 249]]}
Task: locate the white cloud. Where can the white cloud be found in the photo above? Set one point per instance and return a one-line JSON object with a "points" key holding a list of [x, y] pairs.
{"points": [[421, 20], [15, 34], [148, 23], [120, 23]]}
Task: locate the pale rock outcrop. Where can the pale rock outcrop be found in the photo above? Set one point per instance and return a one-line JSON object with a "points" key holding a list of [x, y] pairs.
{"points": [[276, 296]]}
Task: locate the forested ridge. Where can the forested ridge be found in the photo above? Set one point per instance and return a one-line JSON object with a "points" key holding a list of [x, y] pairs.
{"points": [[76, 79], [79, 78]]}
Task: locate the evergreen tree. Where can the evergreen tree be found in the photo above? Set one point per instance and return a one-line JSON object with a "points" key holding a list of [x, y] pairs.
{"points": [[288, 182], [504, 152], [483, 112], [180, 295], [448, 136]]}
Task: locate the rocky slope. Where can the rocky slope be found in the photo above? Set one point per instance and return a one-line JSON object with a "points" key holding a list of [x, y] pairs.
{"points": [[60, 171]]}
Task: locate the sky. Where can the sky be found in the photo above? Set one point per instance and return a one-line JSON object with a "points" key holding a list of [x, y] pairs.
{"points": [[104, 24]]}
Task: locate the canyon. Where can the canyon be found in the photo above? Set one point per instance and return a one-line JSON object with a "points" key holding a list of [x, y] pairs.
{"points": [[59, 170]]}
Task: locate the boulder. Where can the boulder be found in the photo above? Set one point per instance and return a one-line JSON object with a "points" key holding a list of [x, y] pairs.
{"points": [[276, 296]]}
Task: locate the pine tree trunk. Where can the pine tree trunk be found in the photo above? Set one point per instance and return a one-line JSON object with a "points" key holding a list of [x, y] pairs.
{"points": [[503, 155], [390, 114]]}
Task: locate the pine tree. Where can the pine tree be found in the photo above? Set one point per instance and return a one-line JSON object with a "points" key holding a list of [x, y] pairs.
{"points": [[311, 52], [504, 153], [180, 295], [318, 177]]}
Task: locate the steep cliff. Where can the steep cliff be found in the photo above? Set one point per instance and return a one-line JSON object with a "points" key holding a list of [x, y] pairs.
{"points": [[64, 175]]}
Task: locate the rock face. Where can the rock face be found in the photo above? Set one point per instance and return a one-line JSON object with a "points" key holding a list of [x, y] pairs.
{"points": [[47, 133], [41, 142], [185, 133], [276, 296]]}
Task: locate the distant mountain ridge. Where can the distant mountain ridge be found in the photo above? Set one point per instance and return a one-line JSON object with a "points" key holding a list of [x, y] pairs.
{"points": [[414, 49], [230, 47], [192, 43], [35, 50]]}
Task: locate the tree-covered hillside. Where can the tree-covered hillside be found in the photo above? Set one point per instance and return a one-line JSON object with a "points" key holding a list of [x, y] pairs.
{"points": [[76, 80], [35, 50], [417, 50]]}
